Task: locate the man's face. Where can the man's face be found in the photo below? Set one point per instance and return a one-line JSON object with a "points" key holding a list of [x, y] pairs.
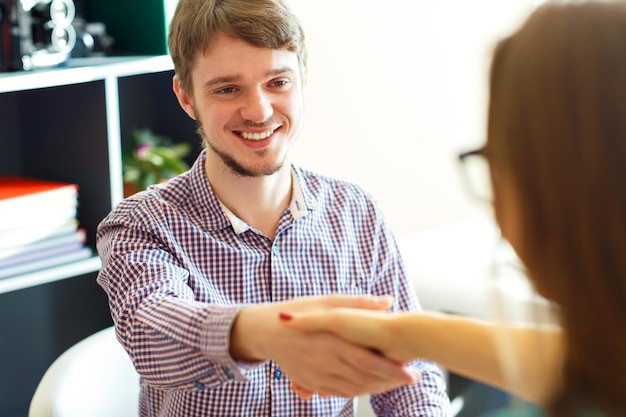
{"points": [[248, 103]]}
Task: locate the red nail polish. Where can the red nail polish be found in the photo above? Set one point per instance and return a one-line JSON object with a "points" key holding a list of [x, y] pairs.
{"points": [[285, 316]]}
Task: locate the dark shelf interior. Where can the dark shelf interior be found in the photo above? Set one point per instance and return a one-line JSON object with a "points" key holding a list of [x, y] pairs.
{"points": [[37, 325], [60, 134]]}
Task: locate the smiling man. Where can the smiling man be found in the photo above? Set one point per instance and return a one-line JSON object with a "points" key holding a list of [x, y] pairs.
{"points": [[198, 268]]}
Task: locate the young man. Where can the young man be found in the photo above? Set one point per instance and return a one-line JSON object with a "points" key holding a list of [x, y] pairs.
{"points": [[197, 269]]}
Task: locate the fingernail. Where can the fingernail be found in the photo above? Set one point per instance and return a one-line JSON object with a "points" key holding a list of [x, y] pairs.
{"points": [[285, 316]]}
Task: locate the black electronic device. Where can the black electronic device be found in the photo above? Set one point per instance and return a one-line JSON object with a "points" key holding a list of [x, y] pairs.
{"points": [[36, 33]]}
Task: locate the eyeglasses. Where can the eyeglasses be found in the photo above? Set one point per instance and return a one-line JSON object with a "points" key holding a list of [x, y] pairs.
{"points": [[476, 174]]}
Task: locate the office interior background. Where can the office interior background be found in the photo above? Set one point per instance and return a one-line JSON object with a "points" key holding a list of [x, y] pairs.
{"points": [[395, 90]]}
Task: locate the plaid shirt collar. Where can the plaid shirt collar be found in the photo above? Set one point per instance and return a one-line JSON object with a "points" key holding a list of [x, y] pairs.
{"points": [[219, 216]]}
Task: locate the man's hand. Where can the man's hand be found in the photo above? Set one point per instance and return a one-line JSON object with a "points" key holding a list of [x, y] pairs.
{"points": [[316, 361], [391, 335]]}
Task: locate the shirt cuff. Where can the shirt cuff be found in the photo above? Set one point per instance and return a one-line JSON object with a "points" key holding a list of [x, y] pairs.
{"points": [[216, 343]]}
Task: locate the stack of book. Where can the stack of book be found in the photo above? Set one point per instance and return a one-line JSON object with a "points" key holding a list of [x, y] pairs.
{"points": [[38, 225]]}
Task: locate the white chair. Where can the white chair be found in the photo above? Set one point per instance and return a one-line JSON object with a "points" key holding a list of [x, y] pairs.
{"points": [[93, 378]]}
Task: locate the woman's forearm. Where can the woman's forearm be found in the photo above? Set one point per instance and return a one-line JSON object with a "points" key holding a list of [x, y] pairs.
{"points": [[524, 361]]}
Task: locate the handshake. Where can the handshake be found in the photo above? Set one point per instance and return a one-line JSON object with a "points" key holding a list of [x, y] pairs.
{"points": [[335, 345]]}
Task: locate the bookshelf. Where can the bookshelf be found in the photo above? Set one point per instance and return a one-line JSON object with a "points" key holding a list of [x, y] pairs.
{"points": [[68, 124], [64, 124]]}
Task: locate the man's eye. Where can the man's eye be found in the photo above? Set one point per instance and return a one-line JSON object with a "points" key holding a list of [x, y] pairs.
{"points": [[280, 83], [226, 90]]}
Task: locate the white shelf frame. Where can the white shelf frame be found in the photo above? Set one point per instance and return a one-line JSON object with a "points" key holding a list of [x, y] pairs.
{"points": [[83, 70]]}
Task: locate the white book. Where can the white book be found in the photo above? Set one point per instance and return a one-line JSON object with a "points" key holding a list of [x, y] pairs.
{"points": [[60, 259], [36, 215], [38, 230], [42, 254], [54, 241]]}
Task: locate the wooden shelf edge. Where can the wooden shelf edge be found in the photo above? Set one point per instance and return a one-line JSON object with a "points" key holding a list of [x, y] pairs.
{"points": [[56, 273]]}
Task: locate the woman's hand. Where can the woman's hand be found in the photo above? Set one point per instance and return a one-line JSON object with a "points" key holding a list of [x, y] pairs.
{"points": [[379, 331]]}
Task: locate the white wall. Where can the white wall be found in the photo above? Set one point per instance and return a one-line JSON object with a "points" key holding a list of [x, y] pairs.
{"points": [[396, 89]]}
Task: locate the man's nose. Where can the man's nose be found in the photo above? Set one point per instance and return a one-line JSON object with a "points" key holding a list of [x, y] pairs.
{"points": [[257, 106]]}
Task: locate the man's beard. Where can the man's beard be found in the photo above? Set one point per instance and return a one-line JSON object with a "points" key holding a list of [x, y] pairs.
{"points": [[235, 166]]}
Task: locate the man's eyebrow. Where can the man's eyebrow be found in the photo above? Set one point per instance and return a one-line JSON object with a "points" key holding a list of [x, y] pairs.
{"points": [[235, 78], [220, 80], [283, 70]]}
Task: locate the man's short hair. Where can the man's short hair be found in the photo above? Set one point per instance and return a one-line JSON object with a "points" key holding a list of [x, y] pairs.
{"points": [[262, 23]]}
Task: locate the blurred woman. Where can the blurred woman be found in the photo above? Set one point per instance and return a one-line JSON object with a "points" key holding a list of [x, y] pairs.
{"points": [[556, 148]]}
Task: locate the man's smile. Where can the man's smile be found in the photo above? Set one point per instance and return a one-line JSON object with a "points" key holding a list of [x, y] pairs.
{"points": [[256, 136]]}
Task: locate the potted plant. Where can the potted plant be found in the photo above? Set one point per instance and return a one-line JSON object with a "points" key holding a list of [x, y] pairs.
{"points": [[150, 159]]}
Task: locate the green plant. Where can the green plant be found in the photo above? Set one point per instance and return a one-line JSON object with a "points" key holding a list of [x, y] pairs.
{"points": [[151, 158]]}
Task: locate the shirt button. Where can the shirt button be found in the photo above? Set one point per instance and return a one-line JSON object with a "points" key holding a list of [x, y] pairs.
{"points": [[274, 251], [278, 374], [199, 386], [227, 372]]}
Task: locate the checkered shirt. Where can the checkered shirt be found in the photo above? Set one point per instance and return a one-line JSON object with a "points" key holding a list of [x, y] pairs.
{"points": [[177, 267]]}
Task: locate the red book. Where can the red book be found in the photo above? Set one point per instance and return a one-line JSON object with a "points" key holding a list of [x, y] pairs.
{"points": [[24, 201], [14, 187]]}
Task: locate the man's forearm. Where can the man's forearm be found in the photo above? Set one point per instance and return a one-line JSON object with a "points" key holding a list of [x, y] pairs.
{"points": [[244, 345]]}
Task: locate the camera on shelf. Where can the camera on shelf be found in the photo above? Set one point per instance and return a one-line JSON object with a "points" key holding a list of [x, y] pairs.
{"points": [[36, 33]]}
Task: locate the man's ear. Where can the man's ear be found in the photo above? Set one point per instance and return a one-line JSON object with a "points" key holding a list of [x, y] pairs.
{"points": [[184, 99]]}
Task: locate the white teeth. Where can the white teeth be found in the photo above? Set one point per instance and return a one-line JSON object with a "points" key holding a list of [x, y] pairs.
{"points": [[257, 136]]}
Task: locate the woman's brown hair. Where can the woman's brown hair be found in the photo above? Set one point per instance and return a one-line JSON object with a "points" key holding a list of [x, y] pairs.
{"points": [[557, 131]]}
